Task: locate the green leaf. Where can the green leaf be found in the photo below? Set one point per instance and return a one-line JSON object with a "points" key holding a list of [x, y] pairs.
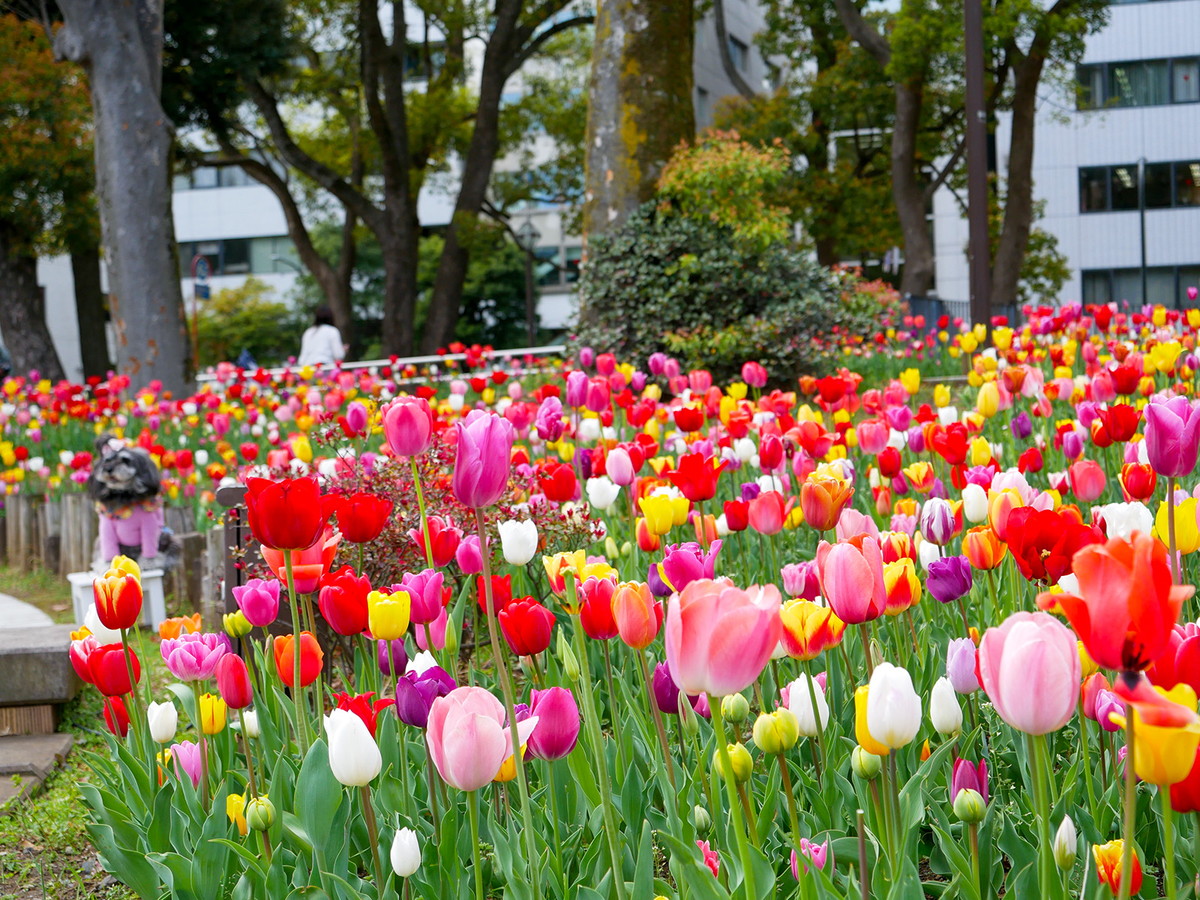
{"points": [[643, 872], [318, 797]]}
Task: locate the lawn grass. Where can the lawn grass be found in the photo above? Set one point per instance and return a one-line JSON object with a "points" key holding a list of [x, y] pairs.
{"points": [[48, 591]]}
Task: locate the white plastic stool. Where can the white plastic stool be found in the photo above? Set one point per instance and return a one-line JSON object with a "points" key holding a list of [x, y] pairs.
{"points": [[154, 604]]}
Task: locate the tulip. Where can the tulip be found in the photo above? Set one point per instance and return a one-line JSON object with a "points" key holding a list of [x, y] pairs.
{"points": [[518, 540], [118, 599], [688, 562], [163, 719], [637, 614], [416, 691], [388, 614], [361, 517], [1167, 735], [768, 511], [311, 658], [233, 681], [822, 499], [1187, 535], [558, 723], [902, 584], [285, 515], [808, 629], [719, 638], [354, 757], [975, 503], [810, 852], [482, 462], [1172, 435], [1185, 793], [408, 426], [468, 738], [391, 655], [526, 626], [424, 590], [960, 665], [801, 580], [983, 549], [213, 712], [711, 859], [697, 476], [469, 556], [405, 853], [596, 613], [949, 578], [308, 565], [937, 521], [601, 493], [1065, 844], [944, 711], [343, 601], [851, 576], [116, 716], [811, 720], [1031, 671], [862, 732], [1138, 481], [1087, 480], [549, 420], [186, 757], [1108, 866], [1128, 606], [776, 732], [444, 539], [194, 657], [258, 600], [364, 707], [741, 763], [893, 706]]}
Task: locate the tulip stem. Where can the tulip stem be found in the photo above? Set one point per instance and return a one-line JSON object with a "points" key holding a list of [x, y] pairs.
{"points": [[866, 642], [1130, 801], [735, 812], [138, 716], [473, 809], [1087, 767], [297, 688], [246, 749], [433, 803], [612, 703], [656, 715], [373, 834], [751, 823], [1038, 770], [812, 697], [421, 508], [510, 704], [973, 832], [1168, 840], [864, 882], [203, 766], [793, 818], [1171, 528]]}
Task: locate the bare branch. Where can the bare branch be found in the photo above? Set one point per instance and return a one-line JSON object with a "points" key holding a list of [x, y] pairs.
{"points": [[863, 31]]}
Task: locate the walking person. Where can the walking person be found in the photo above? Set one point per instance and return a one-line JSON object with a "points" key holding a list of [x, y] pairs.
{"points": [[322, 342]]}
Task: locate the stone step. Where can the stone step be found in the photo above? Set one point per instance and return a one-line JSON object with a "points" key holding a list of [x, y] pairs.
{"points": [[26, 761], [34, 666]]}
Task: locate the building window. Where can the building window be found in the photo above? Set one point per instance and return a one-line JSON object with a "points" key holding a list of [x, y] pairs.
{"points": [[1115, 188], [1144, 82], [546, 266], [238, 256], [739, 52], [1158, 185], [1187, 183], [1093, 189], [1164, 284], [1123, 187]]}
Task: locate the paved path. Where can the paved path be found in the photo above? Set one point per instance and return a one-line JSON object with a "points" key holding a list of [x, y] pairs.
{"points": [[16, 613]]}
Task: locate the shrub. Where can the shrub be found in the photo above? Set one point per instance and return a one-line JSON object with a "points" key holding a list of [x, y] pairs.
{"points": [[667, 282], [245, 318]]}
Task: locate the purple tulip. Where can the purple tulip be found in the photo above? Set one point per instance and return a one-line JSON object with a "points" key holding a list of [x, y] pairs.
{"points": [[916, 440], [658, 587], [685, 563], [1107, 703], [483, 460], [186, 757], [399, 656], [1172, 435], [960, 665], [1021, 426], [549, 421], [968, 776], [425, 591], [899, 417], [258, 600], [751, 491], [949, 578], [587, 356], [416, 691], [558, 723], [937, 521], [1072, 446], [194, 657]]}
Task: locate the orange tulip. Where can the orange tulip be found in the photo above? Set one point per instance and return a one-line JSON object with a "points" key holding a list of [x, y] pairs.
{"points": [[311, 659], [637, 614], [822, 498], [983, 549], [903, 586], [1108, 866], [1000, 507], [118, 599]]}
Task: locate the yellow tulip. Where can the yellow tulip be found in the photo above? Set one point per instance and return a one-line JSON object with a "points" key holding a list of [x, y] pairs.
{"points": [[941, 396], [123, 565], [235, 808], [861, 733], [658, 513], [968, 343], [1187, 535], [737, 390], [1088, 664], [910, 379], [981, 452], [213, 712], [302, 449], [388, 614], [1164, 754], [988, 401], [1002, 338]]}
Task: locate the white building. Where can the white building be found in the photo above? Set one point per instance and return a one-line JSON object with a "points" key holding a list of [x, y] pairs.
{"points": [[1138, 101]]}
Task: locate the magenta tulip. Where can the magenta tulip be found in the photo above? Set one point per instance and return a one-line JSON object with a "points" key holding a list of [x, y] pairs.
{"points": [[469, 739], [425, 593], [1172, 435], [481, 467], [258, 600], [558, 723], [851, 577], [1030, 668], [719, 637], [408, 426]]}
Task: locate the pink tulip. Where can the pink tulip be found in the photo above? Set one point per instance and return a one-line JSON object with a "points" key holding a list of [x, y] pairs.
{"points": [[1087, 480], [768, 511], [1030, 668], [186, 756], [851, 523], [558, 717], [851, 576], [481, 466], [258, 601], [469, 739], [719, 637], [873, 436], [408, 425], [1172, 435], [619, 467], [425, 591]]}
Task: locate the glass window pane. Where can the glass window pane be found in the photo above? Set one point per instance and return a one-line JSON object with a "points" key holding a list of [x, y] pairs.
{"points": [[1160, 286], [546, 266], [739, 53], [1127, 285], [204, 177], [1097, 287], [1093, 189], [235, 176], [574, 254], [182, 182], [1185, 80], [1091, 86], [1189, 276], [1187, 183], [1158, 185], [236, 258], [1124, 187], [1143, 83]]}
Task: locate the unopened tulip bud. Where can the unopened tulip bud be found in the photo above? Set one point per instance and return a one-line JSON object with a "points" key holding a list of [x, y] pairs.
{"points": [[250, 724], [865, 765], [969, 806], [701, 819], [566, 658], [236, 624], [164, 720], [687, 716], [406, 853], [740, 761], [610, 547], [777, 731], [260, 813], [1065, 844], [451, 641], [735, 708]]}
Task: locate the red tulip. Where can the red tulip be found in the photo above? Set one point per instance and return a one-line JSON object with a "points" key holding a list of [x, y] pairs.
{"points": [[1086, 479], [116, 716], [697, 476], [1120, 421], [308, 565], [526, 625], [106, 665], [737, 515], [1043, 542], [596, 614], [501, 592], [444, 539], [558, 482], [79, 653], [361, 516], [364, 707], [1185, 795], [768, 511], [233, 681], [343, 601], [285, 515], [118, 599], [1138, 481], [311, 659]]}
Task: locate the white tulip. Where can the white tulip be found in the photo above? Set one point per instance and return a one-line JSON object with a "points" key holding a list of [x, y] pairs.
{"points": [[975, 503], [421, 663], [589, 430], [406, 853], [800, 703], [745, 449], [518, 541], [250, 724], [102, 633], [944, 711], [354, 757], [927, 553], [1123, 519], [164, 721], [602, 493], [947, 415], [1065, 844], [893, 706]]}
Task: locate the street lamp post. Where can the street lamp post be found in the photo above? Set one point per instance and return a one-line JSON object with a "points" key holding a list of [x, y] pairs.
{"points": [[527, 237]]}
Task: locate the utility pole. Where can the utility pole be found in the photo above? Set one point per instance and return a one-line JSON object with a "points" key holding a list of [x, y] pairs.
{"points": [[978, 245]]}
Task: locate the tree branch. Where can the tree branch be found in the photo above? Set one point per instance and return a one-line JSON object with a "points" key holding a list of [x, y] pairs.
{"points": [[731, 72], [949, 167], [863, 31], [542, 37]]}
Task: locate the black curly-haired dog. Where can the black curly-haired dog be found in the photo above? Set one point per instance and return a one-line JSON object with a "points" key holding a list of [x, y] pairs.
{"points": [[125, 488]]}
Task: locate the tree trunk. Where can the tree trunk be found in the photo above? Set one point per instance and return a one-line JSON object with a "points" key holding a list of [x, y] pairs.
{"points": [[399, 248], [23, 310], [1018, 207], [89, 311], [910, 195], [640, 104], [120, 47]]}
